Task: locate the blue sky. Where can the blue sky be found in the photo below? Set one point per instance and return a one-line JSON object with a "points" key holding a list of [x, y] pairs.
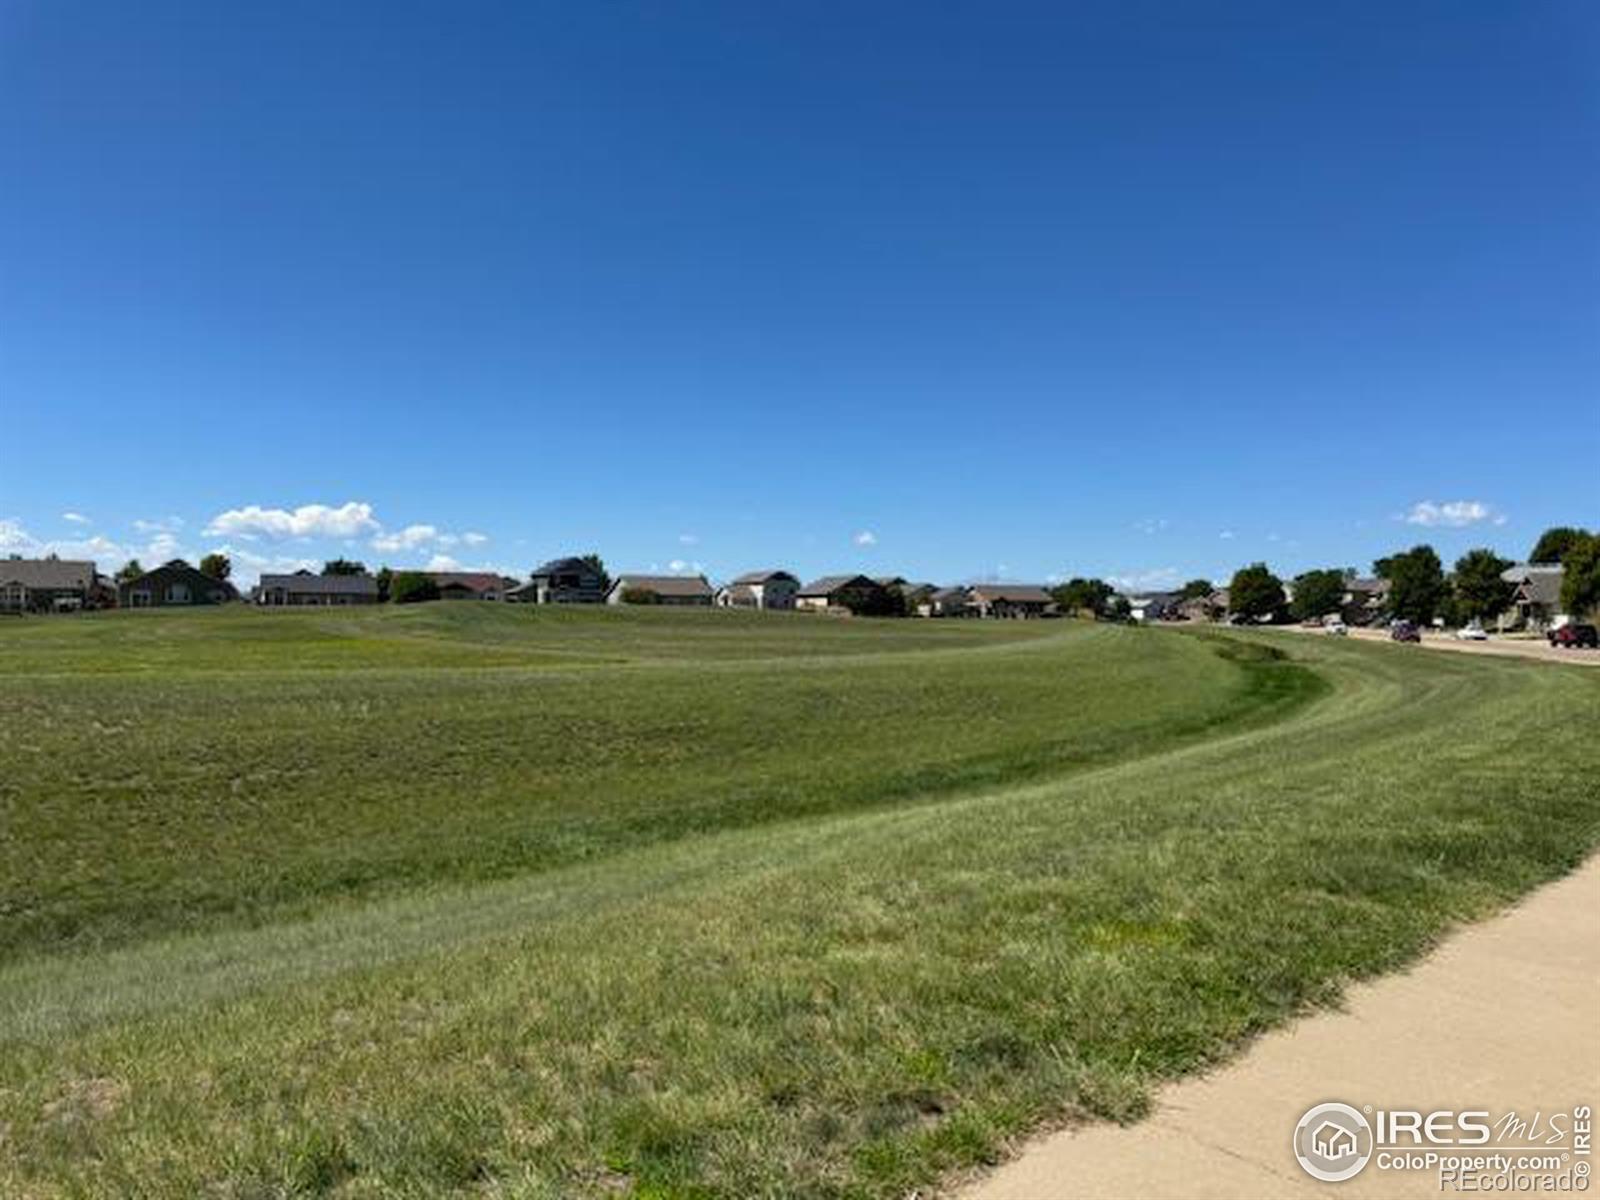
{"points": [[1144, 291]]}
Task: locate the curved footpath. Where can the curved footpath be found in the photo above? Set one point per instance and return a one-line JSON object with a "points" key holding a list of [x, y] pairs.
{"points": [[1503, 1017]]}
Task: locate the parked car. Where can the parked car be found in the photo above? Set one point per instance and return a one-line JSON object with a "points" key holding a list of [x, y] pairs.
{"points": [[1335, 626], [1575, 637], [1404, 631], [1472, 632]]}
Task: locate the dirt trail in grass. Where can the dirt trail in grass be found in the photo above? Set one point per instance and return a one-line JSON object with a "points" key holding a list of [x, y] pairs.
{"points": [[1501, 1017]]}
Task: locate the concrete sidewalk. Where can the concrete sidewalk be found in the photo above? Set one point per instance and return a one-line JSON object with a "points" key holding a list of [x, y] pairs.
{"points": [[1505, 1015]]}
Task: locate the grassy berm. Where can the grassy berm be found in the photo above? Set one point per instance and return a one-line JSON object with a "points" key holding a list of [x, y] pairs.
{"points": [[490, 901]]}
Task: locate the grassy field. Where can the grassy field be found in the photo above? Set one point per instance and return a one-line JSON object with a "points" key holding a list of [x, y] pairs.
{"points": [[523, 903]]}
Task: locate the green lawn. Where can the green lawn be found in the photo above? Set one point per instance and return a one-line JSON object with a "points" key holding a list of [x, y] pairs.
{"points": [[519, 903]]}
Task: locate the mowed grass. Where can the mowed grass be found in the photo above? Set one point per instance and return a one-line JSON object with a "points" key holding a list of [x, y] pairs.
{"points": [[837, 997], [166, 771]]}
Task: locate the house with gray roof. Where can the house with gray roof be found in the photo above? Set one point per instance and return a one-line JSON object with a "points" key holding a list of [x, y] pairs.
{"points": [[1536, 601], [759, 589], [46, 584], [683, 591], [844, 593], [174, 584], [1011, 600], [946, 602], [306, 590], [1364, 601], [570, 580]]}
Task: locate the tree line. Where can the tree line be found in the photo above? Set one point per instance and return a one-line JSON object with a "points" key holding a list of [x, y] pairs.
{"points": [[1419, 589]]}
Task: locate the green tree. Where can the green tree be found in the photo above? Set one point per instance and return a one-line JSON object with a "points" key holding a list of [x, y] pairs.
{"points": [[1480, 593], [1555, 542], [1580, 582], [412, 587], [1079, 596], [598, 565], [1317, 594], [216, 565], [385, 578], [130, 570], [1417, 587], [1196, 589], [1256, 593], [343, 566]]}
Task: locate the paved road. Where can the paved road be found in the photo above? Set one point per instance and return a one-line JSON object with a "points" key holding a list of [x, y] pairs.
{"points": [[1502, 1016], [1504, 647]]}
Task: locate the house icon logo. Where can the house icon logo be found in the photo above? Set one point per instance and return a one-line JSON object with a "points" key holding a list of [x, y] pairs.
{"points": [[1333, 1142]]}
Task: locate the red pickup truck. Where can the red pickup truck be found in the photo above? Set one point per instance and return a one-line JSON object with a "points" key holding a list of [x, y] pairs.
{"points": [[1575, 637]]}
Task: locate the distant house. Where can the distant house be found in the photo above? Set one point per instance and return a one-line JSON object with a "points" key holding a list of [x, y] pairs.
{"points": [[913, 594], [1155, 606], [945, 602], [306, 590], [471, 585], [759, 589], [1011, 600], [852, 593], [680, 590], [1364, 600], [562, 581], [1213, 606], [47, 585], [1536, 602], [175, 584]]}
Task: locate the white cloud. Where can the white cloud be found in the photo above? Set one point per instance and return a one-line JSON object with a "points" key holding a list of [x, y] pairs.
{"points": [[680, 566], [1227, 535], [688, 539], [1154, 579], [416, 537], [103, 551], [163, 525], [163, 547], [309, 520], [249, 566], [75, 518], [409, 538], [1151, 524], [13, 536], [1454, 514], [865, 538], [442, 562]]}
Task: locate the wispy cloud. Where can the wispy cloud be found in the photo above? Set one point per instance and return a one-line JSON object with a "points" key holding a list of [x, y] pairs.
{"points": [[13, 536], [410, 538], [1227, 535], [75, 518], [104, 551], [1153, 579], [1151, 524], [309, 520], [865, 538], [474, 539], [689, 539], [1454, 514], [159, 525]]}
